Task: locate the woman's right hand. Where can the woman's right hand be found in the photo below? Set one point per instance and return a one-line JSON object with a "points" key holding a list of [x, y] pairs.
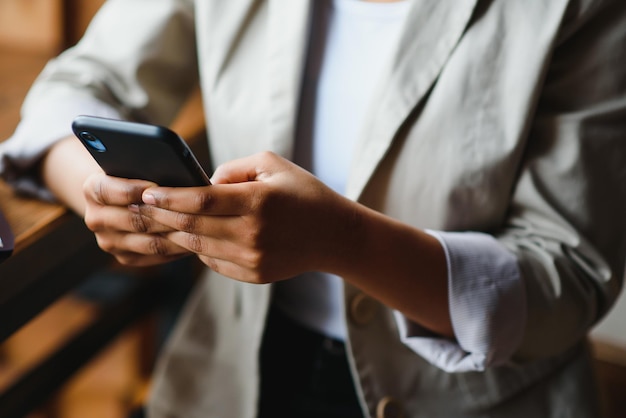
{"points": [[110, 212]]}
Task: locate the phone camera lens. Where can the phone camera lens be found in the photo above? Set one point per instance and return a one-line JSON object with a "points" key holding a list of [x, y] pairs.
{"points": [[92, 141]]}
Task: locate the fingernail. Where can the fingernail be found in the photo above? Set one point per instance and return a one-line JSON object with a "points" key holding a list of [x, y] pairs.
{"points": [[148, 199], [133, 208]]}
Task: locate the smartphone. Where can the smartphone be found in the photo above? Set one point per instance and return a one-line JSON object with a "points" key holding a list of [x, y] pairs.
{"points": [[140, 151]]}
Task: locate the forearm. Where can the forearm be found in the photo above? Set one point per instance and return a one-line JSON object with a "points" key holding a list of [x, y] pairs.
{"points": [[403, 267], [64, 169]]}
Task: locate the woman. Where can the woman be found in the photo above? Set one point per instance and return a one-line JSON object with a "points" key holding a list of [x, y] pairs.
{"points": [[453, 226]]}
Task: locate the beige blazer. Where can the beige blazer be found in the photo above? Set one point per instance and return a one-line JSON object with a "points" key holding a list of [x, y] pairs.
{"points": [[502, 116]]}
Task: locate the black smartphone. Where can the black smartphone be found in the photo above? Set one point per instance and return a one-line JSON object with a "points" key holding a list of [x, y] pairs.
{"points": [[140, 151]]}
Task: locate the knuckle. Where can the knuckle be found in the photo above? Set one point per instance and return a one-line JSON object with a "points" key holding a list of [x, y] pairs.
{"points": [[264, 200], [254, 233], [132, 194], [203, 202], [138, 223], [90, 188], [105, 244], [267, 155], [100, 192], [258, 199], [93, 223], [156, 246], [185, 222], [195, 243], [210, 263], [255, 263], [252, 259], [162, 200]]}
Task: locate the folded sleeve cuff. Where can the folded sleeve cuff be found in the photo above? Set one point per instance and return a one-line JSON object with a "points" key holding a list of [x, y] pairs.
{"points": [[487, 306], [42, 126]]}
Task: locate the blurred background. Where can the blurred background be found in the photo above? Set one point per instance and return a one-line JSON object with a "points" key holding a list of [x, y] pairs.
{"points": [[44, 26]]}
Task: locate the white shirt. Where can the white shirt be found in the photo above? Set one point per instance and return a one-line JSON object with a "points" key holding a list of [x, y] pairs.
{"points": [[359, 41]]}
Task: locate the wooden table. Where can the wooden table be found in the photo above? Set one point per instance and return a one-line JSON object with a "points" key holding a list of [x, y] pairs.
{"points": [[54, 252]]}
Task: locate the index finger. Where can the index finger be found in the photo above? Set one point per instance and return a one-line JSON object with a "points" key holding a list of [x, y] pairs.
{"points": [[114, 191], [218, 199]]}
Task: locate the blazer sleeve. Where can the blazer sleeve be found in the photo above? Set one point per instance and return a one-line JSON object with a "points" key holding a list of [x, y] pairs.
{"points": [[136, 56], [137, 60], [567, 221]]}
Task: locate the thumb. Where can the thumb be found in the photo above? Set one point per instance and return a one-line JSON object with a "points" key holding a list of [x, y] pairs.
{"points": [[252, 168]]}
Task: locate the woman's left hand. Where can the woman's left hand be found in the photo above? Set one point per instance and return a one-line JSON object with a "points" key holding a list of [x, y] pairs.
{"points": [[263, 219]]}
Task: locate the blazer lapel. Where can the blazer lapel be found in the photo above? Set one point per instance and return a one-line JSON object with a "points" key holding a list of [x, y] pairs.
{"points": [[431, 32], [289, 23]]}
